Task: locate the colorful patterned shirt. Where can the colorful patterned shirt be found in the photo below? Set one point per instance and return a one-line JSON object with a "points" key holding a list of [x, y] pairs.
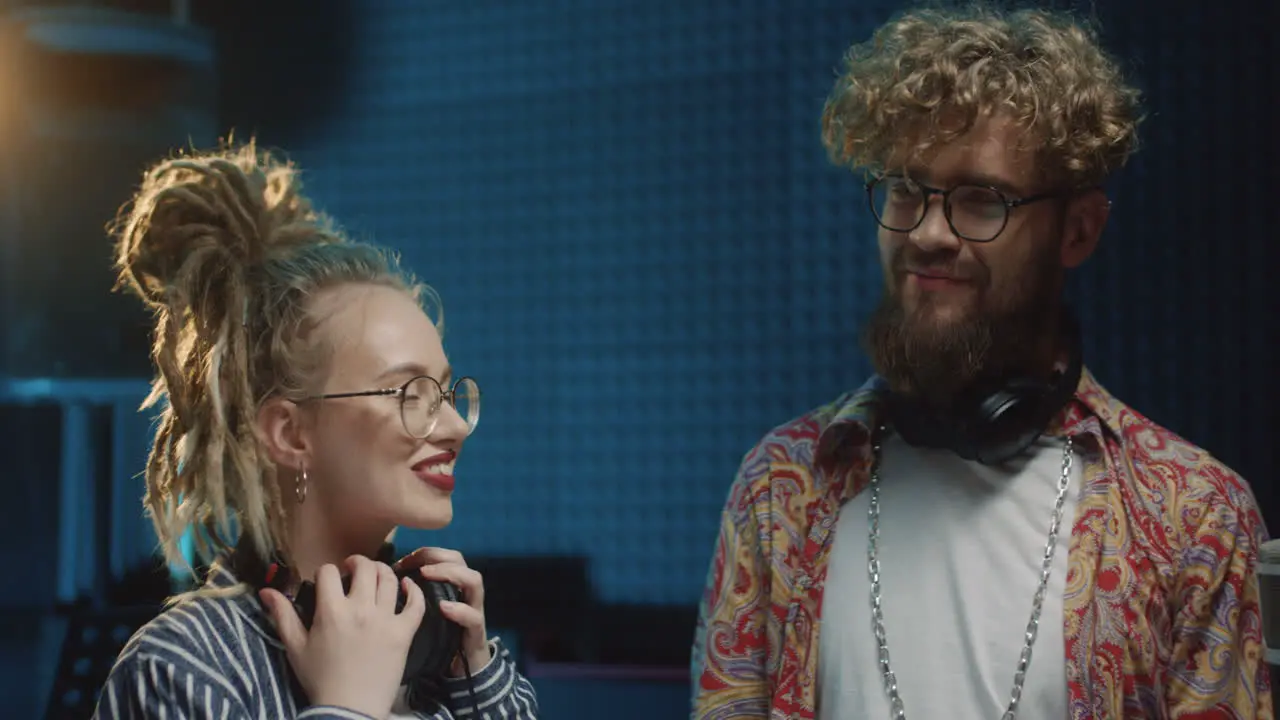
{"points": [[1162, 619]]}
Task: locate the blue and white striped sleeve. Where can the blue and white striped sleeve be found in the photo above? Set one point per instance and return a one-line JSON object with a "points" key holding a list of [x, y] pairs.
{"points": [[143, 686], [500, 690], [148, 687]]}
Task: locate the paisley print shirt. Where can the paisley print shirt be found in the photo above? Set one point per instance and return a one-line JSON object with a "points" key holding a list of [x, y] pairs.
{"points": [[1161, 613]]}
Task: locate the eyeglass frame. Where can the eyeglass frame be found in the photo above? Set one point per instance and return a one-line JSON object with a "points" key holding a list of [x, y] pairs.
{"points": [[449, 396], [928, 192]]}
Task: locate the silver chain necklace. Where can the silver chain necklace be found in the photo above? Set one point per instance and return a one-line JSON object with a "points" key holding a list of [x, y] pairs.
{"points": [[877, 611]]}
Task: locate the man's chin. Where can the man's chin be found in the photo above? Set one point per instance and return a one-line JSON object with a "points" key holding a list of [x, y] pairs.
{"points": [[930, 316], [927, 349]]}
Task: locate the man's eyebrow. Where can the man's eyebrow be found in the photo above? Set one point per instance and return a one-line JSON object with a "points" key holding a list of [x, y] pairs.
{"points": [[1005, 186], [922, 176]]}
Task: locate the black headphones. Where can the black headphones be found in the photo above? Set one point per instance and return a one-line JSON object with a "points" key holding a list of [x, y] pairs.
{"points": [[435, 645], [438, 639], [995, 421]]}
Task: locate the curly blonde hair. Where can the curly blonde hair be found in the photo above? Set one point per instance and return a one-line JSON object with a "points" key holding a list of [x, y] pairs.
{"points": [[925, 78], [228, 252]]}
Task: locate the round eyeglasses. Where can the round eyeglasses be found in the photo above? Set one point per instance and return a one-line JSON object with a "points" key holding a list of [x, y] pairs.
{"points": [[978, 213], [420, 399]]}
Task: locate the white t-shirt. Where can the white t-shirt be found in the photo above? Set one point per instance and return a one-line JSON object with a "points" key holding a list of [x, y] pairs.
{"points": [[961, 550]]}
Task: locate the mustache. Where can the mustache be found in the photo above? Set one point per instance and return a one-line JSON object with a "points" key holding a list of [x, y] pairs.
{"points": [[906, 259]]}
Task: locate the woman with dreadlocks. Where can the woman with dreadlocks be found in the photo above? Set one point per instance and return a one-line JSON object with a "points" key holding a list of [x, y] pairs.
{"points": [[309, 410]]}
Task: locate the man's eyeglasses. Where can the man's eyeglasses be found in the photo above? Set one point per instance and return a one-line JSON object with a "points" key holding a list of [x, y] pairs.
{"points": [[420, 399], [978, 213]]}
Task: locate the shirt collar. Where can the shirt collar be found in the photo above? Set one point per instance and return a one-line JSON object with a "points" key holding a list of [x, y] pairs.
{"points": [[843, 446], [242, 598]]}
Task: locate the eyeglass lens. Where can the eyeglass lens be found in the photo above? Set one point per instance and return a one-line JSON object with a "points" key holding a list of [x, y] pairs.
{"points": [[420, 408], [976, 212]]}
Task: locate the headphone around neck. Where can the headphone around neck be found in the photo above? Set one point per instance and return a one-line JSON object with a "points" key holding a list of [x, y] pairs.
{"points": [[438, 639], [995, 421]]}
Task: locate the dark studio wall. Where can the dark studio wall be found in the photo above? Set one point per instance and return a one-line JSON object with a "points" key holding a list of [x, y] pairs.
{"points": [[647, 261], [646, 258]]}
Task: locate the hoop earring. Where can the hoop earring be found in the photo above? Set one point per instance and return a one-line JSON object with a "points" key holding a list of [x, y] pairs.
{"points": [[300, 485]]}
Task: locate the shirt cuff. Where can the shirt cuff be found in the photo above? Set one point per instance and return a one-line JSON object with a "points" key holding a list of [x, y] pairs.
{"points": [[496, 678]]}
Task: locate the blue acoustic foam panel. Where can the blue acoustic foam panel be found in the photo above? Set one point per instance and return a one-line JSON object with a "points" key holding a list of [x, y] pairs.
{"points": [[647, 260]]}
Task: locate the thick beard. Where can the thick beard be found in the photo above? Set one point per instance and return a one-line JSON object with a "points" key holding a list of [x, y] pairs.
{"points": [[938, 363]]}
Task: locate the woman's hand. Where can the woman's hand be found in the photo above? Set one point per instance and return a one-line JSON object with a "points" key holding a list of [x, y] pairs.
{"points": [[449, 566], [354, 654]]}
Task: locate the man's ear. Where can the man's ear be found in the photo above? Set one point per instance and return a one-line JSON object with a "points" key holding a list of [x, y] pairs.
{"points": [[1085, 219], [281, 429]]}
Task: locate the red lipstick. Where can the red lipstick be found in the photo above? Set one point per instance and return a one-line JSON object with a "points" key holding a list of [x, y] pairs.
{"points": [[440, 481]]}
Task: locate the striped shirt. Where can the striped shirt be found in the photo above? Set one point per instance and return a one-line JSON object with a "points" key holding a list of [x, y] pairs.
{"points": [[219, 657]]}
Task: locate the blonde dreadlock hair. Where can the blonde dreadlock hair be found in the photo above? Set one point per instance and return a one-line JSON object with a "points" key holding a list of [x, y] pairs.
{"points": [[227, 252], [925, 78]]}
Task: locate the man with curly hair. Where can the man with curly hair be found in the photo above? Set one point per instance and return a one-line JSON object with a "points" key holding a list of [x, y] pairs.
{"points": [[982, 530]]}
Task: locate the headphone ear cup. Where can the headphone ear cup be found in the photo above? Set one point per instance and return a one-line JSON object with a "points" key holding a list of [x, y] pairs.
{"points": [[1009, 420], [448, 632], [444, 592], [1013, 397], [304, 603], [438, 639]]}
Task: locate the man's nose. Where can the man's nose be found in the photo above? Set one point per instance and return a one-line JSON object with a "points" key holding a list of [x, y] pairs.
{"points": [[934, 232]]}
